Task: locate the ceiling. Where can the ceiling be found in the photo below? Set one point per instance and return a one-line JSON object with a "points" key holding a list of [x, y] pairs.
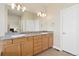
{"points": [[36, 7]]}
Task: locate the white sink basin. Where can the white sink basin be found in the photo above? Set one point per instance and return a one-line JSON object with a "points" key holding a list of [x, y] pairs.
{"points": [[14, 36]]}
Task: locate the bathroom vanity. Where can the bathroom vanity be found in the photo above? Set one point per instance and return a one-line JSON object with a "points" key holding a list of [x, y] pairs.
{"points": [[26, 44]]}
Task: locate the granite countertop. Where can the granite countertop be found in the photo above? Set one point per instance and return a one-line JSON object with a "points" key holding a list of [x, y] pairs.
{"points": [[23, 34]]}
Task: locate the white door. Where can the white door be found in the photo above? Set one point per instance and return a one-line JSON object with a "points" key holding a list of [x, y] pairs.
{"points": [[68, 30]]}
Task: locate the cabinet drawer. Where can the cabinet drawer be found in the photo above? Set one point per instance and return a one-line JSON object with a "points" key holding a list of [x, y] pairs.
{"points": [[45, 36], [36, 51], [39, 37], [44, 44], [30, 38], [44, 48], [27, 53], [39, 43], [39, 40], [18, 40], [45, 41], [26, 48], [40, 48], [6, 42], [35, 39], [35, 44]]}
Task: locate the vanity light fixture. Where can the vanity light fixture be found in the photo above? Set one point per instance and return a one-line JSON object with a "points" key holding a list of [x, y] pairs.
{"points": [[41, 14], [18, 6]]}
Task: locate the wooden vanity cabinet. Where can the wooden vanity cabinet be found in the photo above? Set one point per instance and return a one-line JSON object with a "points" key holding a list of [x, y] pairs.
{"points": [[27, 47]]}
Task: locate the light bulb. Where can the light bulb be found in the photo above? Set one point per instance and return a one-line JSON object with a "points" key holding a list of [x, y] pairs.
{"points": [[24, 8], [39, 14], [12, 5], [18, 8], [43, 15]]}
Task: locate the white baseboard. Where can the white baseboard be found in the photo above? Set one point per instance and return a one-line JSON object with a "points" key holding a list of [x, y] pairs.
{"points": [[57, 48]]}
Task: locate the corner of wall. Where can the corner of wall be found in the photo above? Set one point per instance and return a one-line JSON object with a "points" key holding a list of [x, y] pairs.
{"points": [[57, 48]]}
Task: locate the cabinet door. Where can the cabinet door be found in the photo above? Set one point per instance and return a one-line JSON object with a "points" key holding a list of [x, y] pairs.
{"points": [[50, 39], [12, 50], [27, 47], [37, 44], [44, 42]]}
